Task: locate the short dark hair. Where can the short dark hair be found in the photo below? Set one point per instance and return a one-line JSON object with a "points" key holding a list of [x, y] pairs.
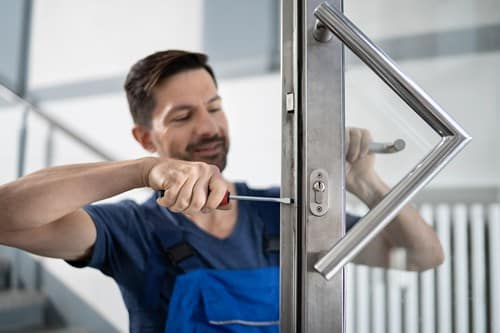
{"points": [[149, 72]]}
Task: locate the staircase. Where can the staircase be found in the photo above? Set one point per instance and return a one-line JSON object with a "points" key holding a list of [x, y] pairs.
{"points": [[27, 311]]}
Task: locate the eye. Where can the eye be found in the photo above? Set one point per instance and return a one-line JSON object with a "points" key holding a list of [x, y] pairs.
{"points": [[181, 116], [214, 110]]}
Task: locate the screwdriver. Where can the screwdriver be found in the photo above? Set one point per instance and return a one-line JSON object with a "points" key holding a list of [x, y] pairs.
{"points": [[228, 196]]}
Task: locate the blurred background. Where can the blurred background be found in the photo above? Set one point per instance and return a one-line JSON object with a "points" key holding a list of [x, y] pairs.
{"points": [[62, 68]]}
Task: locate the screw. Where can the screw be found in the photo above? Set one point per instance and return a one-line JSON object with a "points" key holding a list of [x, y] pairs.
{"points": [[321, 33], [319, 209]]}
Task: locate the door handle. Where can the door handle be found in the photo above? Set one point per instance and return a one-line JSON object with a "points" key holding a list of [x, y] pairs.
{"points": [[453, 139], [386, 147]]}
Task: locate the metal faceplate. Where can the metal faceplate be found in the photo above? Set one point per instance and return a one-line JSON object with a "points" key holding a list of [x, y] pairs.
{"points": [[318, 192]]}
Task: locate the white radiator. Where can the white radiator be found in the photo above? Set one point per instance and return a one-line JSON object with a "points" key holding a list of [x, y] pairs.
{"points": [[461, 295]]}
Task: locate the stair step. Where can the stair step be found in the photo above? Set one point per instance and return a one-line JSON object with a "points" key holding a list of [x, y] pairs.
{"points": [[21, 309]]}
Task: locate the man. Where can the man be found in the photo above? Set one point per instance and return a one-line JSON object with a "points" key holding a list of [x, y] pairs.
{"points": [[182, 246]]}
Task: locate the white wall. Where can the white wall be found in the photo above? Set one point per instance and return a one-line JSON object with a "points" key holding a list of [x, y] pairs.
{"points": [[86, 39], [391, 18]]}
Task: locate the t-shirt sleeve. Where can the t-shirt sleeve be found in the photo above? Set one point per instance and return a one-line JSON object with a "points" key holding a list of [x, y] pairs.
{"points": [[122, 238]]}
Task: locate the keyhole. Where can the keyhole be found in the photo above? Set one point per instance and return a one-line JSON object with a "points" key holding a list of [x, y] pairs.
{"points": [[319, 188]]}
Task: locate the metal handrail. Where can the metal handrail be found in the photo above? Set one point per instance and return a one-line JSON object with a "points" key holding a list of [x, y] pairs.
{"points": [[453, 139], [13, 98], [28, 107]]}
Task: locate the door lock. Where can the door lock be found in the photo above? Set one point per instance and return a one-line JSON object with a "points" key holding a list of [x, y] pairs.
{"points": [[319, 188], [318, 193]]}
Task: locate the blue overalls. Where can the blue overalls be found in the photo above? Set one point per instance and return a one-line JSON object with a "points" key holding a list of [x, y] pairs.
{"points": [[218, 300], [208, 300]]}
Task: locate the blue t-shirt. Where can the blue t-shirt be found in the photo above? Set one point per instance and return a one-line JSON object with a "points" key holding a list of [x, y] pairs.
{"points": [[131, 241]]}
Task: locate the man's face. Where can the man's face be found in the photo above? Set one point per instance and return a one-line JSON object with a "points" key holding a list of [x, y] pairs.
{"points": [[188, 122]]}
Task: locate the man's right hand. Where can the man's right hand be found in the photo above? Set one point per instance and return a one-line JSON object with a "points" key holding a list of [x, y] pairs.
{"points": [[42, 212], [190, 187]]}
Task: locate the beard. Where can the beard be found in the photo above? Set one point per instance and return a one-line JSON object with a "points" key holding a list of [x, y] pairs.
{"points": [[218, 145]]}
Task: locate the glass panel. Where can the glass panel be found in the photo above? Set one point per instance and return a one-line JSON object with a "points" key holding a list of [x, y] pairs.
{"points": [[452, 50]]}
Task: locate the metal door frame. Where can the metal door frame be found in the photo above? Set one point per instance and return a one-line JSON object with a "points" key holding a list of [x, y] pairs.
{"points": [[312, 139]]}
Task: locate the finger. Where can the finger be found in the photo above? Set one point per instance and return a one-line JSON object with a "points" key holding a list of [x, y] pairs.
{"points": [[184, 195], [354, 145], [199, 196], [366, 139], [218, 189], [167, 198], [171, 190], [347, 139]]}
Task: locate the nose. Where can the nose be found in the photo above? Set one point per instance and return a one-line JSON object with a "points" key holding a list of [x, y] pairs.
{"points": [[206, 124]]}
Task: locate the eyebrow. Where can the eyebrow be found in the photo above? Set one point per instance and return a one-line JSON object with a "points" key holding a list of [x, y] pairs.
{"points": [[213, 99]]}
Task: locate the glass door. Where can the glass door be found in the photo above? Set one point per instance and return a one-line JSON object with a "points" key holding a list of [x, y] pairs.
{"points": [[315, 247]]}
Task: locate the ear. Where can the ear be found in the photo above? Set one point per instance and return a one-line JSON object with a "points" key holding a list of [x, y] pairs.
{"points": [[143, 136]]}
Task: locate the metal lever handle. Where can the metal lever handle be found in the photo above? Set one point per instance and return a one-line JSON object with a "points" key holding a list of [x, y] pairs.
{"points": [[453, 139], [386, 147]]}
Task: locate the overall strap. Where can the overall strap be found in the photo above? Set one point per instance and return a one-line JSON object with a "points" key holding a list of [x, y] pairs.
{"points": [[271, 244], [181, 255], [271, 232]]}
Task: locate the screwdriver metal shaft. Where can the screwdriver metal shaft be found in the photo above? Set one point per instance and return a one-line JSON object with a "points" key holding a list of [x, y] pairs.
{"points": [[265, 199], [228, 196]]}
